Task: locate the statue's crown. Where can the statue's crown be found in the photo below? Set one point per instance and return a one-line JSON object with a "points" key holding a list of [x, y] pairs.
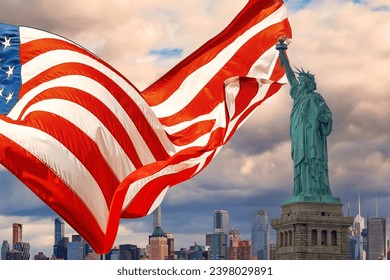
{"points": [[307, 74]]}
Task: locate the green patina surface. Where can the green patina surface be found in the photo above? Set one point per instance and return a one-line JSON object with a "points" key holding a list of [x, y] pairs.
{"points": [[310, 125]]}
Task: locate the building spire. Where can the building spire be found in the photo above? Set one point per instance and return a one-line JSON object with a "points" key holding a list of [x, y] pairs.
{"points": [[376, 207], [359, 204]]}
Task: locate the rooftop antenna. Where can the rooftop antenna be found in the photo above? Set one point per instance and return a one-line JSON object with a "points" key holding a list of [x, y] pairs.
{"points": [[359, 204], [376, 206]]}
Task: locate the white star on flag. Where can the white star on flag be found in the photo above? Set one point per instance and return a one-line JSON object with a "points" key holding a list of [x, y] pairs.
{"points": [[9, 97], [7, 42], [10, 71]]}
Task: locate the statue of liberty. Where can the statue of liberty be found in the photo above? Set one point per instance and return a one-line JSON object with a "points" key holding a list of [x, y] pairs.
{"points": [[310, 125]]}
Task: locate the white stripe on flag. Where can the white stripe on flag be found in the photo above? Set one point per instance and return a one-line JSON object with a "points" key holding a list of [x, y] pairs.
{"points": [[56, 156]]}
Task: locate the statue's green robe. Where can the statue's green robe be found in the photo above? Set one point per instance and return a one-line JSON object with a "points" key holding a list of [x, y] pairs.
{"points": [[311, 123]]}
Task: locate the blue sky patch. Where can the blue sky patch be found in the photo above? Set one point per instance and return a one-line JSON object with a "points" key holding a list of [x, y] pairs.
{"points": [[167, 52]]}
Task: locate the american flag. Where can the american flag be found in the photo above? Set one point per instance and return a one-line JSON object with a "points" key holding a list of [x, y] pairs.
{"points": [[95, 149]]}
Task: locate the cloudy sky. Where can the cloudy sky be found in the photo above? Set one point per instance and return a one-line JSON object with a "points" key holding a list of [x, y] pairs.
{"points": [[345, 43]]}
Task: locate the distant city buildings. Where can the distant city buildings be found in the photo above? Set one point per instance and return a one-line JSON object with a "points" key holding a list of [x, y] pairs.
{"points": [[221, 244]]}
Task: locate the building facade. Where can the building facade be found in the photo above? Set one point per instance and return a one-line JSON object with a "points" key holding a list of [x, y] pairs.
{"points": [[238, 249], [59, 229], [218, 240], [24, 249], [158, 245], [221, 221], [5, 248], [260, 235], [377, 238], [16, 234]]}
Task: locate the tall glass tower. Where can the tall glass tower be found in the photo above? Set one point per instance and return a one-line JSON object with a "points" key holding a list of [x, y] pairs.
{"points": [[59, 227], [260, 235]]}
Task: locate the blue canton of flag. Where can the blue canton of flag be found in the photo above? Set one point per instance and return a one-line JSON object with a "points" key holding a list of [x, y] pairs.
{"points": [[10, 74]]}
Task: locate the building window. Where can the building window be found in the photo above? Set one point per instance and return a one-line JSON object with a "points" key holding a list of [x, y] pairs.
{"points": [[290, 238], [314, 240], [334, 237], [281, 239], [286, 238], [324, 238]]}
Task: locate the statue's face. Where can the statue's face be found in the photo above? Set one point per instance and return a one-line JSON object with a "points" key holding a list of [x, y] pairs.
{"points": [[307, 83]]}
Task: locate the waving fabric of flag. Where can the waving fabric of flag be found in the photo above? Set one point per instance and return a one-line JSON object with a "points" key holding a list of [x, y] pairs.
{"points": [[95, 149]]}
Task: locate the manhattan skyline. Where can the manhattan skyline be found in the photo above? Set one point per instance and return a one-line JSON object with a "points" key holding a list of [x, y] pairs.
{"points": [[341, 42]]}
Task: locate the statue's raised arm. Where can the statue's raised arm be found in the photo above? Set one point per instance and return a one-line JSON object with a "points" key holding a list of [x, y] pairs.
{"points": [[281, 46]]}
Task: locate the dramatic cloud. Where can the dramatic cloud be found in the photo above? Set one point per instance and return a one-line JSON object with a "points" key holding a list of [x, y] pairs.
{"points": [[344, 43]]}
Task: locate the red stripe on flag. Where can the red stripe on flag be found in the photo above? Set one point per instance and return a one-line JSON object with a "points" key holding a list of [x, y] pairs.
{"points": [[52, 190], [127, 103], [80, 145], [191, 133]]}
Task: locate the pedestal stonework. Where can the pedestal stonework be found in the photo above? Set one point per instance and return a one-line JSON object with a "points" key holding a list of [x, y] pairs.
{"points": [[312, 231]]}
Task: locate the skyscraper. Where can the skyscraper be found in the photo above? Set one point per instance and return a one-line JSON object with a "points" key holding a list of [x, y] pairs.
{"points": [[260, 235], [59, 228], [158, 245], [16, 234], [377, 236], [221, 221], [5, 248], [75, 250], [218, 240], [356, 251]]}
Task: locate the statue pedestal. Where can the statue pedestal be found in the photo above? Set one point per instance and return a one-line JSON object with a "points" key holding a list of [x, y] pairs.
{"points": [[312, 231], [313, 198]]}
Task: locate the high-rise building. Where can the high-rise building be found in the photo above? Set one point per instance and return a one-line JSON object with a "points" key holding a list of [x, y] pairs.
{"points": [[23, 248], [218, 240], [221, 221], [260, 235], [5, 248], [16, 234], [158, 245], [75, 251], [59, 228], [171, 245], [62, 248], [377, 238], [356, 251], [238, 249]]}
